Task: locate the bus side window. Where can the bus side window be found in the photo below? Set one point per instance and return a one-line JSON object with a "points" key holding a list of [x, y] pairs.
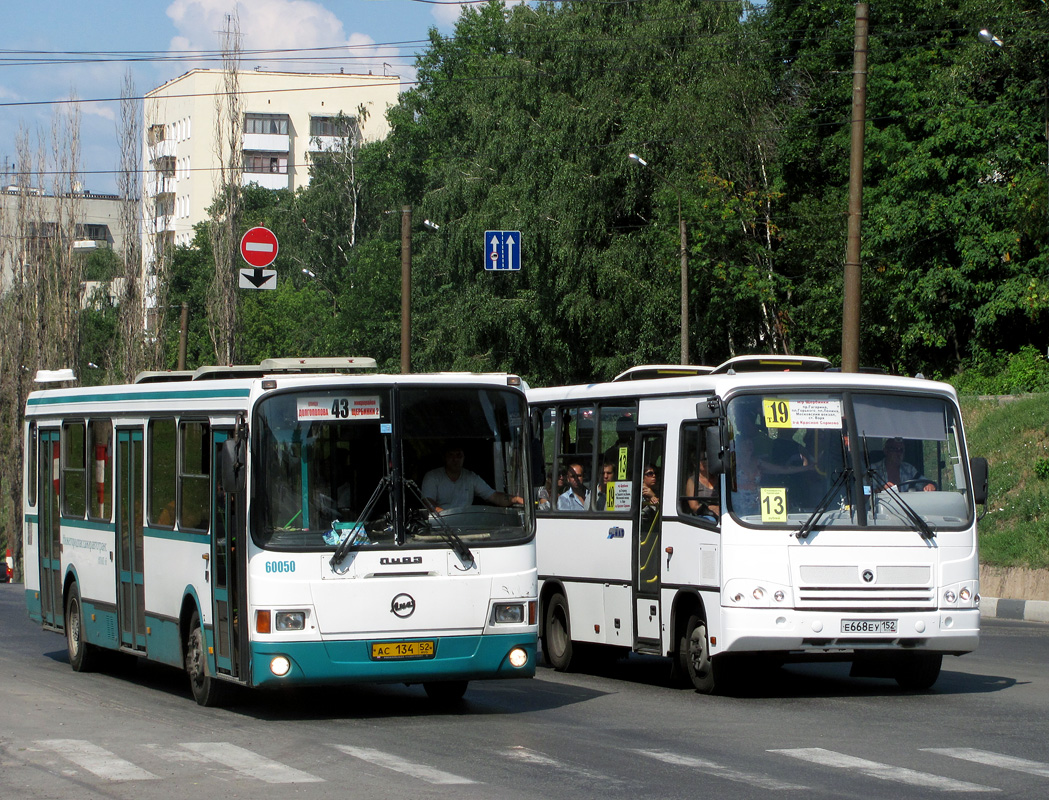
{"points": [[194, 476], [74, 470], [698, 492], [161, 479]]}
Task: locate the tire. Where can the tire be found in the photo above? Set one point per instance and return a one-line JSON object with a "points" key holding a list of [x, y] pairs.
{"points": [[557, 634], [83, 657], [207, 690], [919, 671], [446, 692], [695, 664]]}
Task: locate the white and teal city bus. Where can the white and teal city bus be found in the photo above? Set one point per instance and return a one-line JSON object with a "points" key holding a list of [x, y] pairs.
{"points": [[264, 526], [767, 509]]}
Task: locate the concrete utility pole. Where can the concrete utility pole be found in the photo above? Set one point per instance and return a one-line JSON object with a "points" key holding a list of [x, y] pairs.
{"points": [[406, 289], [850, 318]]}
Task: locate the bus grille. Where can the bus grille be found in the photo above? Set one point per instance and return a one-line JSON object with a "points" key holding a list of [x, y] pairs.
{"points": [[866, 598]]}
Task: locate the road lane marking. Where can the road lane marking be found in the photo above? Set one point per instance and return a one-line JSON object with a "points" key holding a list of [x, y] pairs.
{"points": [[96, 760], [993, 759], [720, 771], [251, 764], [883, 772], [398, 764]]}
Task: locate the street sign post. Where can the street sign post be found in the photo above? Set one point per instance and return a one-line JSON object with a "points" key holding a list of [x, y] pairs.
{"points": [[502, 251], [259, 248]]}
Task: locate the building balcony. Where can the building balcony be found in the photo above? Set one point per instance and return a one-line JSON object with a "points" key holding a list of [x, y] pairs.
{"points": [[165, 148], [267, 180], [270, 142]]}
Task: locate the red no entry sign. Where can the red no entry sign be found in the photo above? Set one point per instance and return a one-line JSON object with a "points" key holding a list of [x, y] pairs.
{"points": [[259, 247]]}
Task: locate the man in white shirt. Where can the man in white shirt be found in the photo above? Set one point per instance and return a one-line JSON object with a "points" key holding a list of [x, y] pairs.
{"points": [[452, 486]]}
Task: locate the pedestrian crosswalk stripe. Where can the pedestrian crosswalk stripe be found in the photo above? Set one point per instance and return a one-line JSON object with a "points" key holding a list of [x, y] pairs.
{"points": [[534, 757], [993, 759], [720, 770], [249, 763], [96, 760], [884, 772], [398, 764]]}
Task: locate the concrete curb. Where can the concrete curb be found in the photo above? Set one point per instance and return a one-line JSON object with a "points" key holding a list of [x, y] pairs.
{"points": [[1025, 610]]}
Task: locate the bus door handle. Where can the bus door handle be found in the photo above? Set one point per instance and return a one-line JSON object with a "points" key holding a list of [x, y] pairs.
{"points": [[207, 563]]}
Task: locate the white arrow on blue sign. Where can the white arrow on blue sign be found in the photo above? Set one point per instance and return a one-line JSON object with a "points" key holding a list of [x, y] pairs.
{"points": [[502, 250]]}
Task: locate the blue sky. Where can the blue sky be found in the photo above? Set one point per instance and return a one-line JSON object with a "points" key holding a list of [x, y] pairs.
{"points": [[152, 39]]}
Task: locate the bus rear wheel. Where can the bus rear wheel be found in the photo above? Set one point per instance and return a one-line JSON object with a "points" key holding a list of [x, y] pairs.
{"points": [[207, 690], [82, 656], [557, 634], [694, 660]]}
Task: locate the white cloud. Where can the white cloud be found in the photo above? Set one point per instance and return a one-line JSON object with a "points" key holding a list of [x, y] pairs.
{"points": [[268, 25], [446, 15]]}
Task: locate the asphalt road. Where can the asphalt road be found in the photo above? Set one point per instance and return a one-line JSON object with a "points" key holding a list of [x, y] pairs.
{"points": [[616, 730]]}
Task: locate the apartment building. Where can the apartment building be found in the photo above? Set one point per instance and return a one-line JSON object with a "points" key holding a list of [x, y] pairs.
{"points": [[286, 117]]}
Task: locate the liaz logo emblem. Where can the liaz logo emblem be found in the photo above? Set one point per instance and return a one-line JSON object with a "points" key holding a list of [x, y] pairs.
{"points": [[403, 605]]}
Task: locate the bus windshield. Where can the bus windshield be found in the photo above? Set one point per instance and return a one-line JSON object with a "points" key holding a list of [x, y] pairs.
{"points": [[358, 462], [843, 460]]}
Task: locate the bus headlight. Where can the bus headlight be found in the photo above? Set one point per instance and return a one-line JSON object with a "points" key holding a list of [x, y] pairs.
{"points": [[280, 666], [507, 613], [290, 620], [518, 657]]}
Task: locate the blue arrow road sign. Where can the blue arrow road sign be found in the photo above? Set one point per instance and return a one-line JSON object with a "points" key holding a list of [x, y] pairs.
{"points": [[502, 250]]}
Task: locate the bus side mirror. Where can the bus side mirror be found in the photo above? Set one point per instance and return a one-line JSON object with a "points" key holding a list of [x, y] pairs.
{"points": [[232, 466], [715, 460], [978, 471]]}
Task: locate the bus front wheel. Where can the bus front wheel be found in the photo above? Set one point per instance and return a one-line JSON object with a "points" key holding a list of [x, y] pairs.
{"points": [[557, 634], [918, 671], [694, 659], [82, 656], [207, 690]]}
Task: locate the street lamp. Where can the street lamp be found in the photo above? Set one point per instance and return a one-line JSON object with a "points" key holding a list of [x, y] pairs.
{"points": [[684, 254]]}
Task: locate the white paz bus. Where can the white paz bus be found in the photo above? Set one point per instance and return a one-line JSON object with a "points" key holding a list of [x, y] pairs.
{"points": [[766, 509], [265, 526]]}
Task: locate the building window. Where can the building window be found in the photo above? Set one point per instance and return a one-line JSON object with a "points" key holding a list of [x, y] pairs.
{"points": [[266, 123], [334, 126], [271, 163]]}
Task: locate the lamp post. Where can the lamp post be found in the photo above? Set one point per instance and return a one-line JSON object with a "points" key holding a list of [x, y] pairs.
{"points": [[684, 253], [313, 276]]}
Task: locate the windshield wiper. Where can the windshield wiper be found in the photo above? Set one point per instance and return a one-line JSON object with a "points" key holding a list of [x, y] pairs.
{"points": [[442, 528], [909, 513], [821, 509], [356, 528]]}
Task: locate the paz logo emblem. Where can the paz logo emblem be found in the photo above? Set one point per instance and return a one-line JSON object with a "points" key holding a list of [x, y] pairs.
{"points": [[868, 576], [403, 605]]}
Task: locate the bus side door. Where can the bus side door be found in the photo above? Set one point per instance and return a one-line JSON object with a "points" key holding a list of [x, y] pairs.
{"points": [[228, 568], [131, 587], [648, 526], [49, 532]]}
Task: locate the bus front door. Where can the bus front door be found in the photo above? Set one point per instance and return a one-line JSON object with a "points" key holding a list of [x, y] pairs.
{"points": [[226, 576], [49, 530], [647, 538], [131, 587]]}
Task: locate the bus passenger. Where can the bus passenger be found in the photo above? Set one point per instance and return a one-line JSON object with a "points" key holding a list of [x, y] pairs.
{"points": [[577, 496]]}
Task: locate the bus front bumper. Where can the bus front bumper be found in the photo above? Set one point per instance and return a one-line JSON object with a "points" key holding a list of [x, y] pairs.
{"points": [[953, 631], [351, 661]]}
